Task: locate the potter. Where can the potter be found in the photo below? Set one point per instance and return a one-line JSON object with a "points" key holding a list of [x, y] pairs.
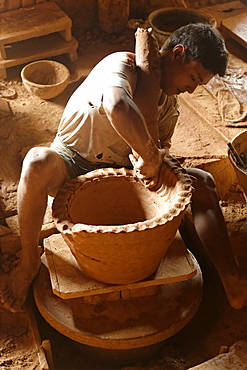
{"points": [[103, 126]]}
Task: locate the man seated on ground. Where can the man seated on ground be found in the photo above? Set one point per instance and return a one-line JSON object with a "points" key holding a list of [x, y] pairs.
{"points": [[102, 126]]}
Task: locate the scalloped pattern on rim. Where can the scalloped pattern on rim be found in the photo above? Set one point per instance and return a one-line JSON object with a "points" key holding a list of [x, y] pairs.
{"points": [[177, 181]]}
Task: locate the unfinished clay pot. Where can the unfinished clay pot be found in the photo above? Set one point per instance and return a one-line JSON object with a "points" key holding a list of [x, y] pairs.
{"points": [[45, 78], [116, 228], [165, 21]]}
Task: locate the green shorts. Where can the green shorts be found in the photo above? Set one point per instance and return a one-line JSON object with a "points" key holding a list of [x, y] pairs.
{"points": [[75, 163]]}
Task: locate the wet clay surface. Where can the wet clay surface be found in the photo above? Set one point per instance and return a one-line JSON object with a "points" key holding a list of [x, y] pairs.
{"points": [[34, 121]]}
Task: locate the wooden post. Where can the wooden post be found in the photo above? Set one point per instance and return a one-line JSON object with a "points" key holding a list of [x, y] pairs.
{"points": [[46, 345], [113, 15]]}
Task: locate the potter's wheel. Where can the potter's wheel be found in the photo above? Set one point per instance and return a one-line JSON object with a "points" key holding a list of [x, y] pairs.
{"points": [[124, 324], [131, 283]]}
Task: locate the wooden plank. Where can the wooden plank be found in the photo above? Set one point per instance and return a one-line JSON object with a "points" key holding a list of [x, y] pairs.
{"points": [[35, 21], [35, 49], [235, 359], [5, 110], [68, 280], [225, 10], [236, 28], [38, 346]]}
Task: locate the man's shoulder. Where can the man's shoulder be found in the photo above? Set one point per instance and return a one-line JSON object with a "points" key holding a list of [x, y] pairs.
{"points": [[121, 56]]}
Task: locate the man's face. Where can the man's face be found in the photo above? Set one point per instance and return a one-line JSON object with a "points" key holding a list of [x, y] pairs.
{"points": [[178, 77]]}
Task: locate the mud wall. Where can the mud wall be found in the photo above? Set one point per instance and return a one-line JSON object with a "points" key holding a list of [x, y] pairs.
{"points": [[84, 13], [141, 8]]}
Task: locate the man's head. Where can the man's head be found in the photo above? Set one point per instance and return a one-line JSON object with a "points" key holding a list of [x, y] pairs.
{"points": [[191, 56]]}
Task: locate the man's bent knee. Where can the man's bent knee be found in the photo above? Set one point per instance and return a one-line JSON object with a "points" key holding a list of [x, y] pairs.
{"points": [[43, 167], [39, 160], [203, 179]]}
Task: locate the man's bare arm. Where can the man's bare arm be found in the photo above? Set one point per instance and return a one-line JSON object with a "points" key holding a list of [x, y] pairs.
{"points": [[128, 121]]}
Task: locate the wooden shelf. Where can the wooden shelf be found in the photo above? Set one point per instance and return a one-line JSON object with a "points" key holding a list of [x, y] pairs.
{"points": [[34, 33], [34, 49], [35, 21]]}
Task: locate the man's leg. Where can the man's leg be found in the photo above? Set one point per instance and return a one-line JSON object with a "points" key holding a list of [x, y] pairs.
{"points": [[43, 173], [211, 229]]}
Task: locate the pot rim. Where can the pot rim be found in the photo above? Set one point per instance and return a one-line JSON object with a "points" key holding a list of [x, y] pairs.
{"points": [[65, 225], [157, 11], [238, 140], [61, 66]]}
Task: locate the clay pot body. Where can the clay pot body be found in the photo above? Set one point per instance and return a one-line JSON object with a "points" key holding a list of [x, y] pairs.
{"points": [[116, 228], [165, 21], [239, 142], [45, 78]]}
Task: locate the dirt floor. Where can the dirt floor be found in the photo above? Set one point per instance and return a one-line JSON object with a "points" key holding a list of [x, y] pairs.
{"points": [[32, 121]]}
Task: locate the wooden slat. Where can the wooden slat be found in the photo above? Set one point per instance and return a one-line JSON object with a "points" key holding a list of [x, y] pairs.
{"points": [[68, 281], [236, 28], [225, 10], [30, 50], [4, 107], [35, 21]]}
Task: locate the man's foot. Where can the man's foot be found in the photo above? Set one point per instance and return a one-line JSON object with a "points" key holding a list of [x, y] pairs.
{"points": [[14, 287], [236, 291]]}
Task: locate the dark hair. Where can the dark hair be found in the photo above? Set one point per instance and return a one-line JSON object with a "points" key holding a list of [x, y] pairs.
{"points": [[202, 43]]}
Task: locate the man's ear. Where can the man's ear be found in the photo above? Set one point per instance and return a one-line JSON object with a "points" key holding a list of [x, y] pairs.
{"points": [[178, 51]]}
